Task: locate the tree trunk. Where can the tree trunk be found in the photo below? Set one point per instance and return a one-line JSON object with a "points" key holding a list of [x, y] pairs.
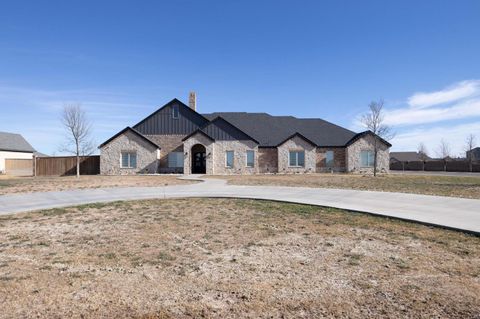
{"points": [[78, 162], [375, 152]]}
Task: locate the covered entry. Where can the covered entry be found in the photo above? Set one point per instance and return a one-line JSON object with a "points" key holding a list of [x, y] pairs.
{"points": [[199, 160]]}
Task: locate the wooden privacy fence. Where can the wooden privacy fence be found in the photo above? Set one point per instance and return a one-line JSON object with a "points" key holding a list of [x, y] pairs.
{"points": [[448, 166], [67, 165], [19, 167]]}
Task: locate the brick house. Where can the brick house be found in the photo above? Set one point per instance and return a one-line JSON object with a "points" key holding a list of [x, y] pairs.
{"points": [[178, 139]]}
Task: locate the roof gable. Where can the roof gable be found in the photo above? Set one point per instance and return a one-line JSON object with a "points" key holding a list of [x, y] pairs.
{"points": [[15, 143], [128, 128], [221, 129], [297, 135], [198, 132], [162, 122], [362, 134]]}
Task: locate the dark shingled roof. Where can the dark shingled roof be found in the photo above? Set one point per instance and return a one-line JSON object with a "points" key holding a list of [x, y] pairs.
{"points": [[271, 131], [14, 142]]}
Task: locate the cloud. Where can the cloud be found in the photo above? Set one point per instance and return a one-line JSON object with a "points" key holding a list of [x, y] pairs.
{"points": [[454, 135], [452, 93], [456, 102], [411, 116]]}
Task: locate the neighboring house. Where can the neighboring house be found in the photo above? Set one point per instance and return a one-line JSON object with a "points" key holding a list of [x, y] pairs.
{"points": [[475, 153], [14, 147], [178, 139], [408, 157]]}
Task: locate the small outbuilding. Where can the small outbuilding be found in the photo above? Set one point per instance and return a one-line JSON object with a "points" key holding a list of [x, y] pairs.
{"points": [[16, 155]]}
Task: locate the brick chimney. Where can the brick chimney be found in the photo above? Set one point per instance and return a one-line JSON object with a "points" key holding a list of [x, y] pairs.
{"points": [[192, 101]]}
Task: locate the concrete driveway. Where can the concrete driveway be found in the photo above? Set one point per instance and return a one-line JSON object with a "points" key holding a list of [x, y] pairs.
{"points": [[457, 213]]}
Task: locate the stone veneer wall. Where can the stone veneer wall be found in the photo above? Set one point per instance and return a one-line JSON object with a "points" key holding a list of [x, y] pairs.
{"points": [[187, 157], [110, 155], [294, 144], [168, 143], [239, 149], [364, 144], [339, 160], [267, 160]]}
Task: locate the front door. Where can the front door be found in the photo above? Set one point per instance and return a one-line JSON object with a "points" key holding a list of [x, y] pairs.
{"points": [[199, 163]]}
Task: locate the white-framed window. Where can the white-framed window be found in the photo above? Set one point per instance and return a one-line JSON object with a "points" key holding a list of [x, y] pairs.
{"points": [[175, 112], [129, 160], [175, 159], [250, 158], [296, 158], [367, 158], [229, 158], [329, 159]]}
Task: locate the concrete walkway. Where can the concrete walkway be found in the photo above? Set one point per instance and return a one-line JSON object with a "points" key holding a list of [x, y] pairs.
{"points": [[457, 213]]}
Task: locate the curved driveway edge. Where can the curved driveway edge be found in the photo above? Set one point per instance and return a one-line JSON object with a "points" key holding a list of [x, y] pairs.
{"points": [[449, 212]]}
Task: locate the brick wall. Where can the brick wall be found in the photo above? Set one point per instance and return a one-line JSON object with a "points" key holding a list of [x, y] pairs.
{"points": [[110, 155], [364, 144], [339, 160], [168, 144], [268, 160], [294, 144], [239, 149]]}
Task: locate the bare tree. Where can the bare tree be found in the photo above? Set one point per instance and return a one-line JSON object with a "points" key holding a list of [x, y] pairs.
{"points": [[422, 153], [470, 144], [78, 129], [374, 121], [444, 152]]}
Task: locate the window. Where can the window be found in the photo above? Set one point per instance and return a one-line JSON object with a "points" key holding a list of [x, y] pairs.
{"points": [[297, 158], [367, 158], [229, 159], [129, 160], [250, 158], [175, 159], [329, 159], [175, 112]]}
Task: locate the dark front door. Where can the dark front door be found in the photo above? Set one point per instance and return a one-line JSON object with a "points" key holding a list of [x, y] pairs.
{"points": [[199, 163]]}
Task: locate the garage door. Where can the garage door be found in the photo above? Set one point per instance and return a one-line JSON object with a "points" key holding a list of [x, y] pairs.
{"points": [[19, 167]]}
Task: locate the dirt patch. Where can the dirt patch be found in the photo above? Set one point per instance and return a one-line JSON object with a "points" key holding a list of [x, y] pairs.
{"points": [[47, 184], [219, 258], [454, 186]]}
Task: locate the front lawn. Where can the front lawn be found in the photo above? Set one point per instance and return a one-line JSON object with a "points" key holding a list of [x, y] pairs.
{"points": [[455, 186], [224, 258], [11, 185]]}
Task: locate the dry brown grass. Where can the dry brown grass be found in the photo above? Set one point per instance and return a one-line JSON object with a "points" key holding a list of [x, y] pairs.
{"points": [[220, 258], [9, 185], [455, 186]]}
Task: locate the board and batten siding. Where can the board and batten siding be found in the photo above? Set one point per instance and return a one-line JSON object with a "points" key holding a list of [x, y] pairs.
{"points": [[163, 123]]}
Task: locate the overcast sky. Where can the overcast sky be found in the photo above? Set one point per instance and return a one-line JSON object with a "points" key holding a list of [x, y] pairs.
{"points": [[123, 59]]}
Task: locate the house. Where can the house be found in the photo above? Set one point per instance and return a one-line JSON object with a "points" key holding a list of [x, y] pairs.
{"points": [[474, 153], [178, 139], [408, 157], [14, 153]]}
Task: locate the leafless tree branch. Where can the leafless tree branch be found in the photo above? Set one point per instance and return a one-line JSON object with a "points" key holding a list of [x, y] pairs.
{"points": [[78, 133], [373, 120]]}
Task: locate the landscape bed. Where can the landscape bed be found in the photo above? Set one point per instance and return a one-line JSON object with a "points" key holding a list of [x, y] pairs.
{"points": [[219, 258], [454, 186]]}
